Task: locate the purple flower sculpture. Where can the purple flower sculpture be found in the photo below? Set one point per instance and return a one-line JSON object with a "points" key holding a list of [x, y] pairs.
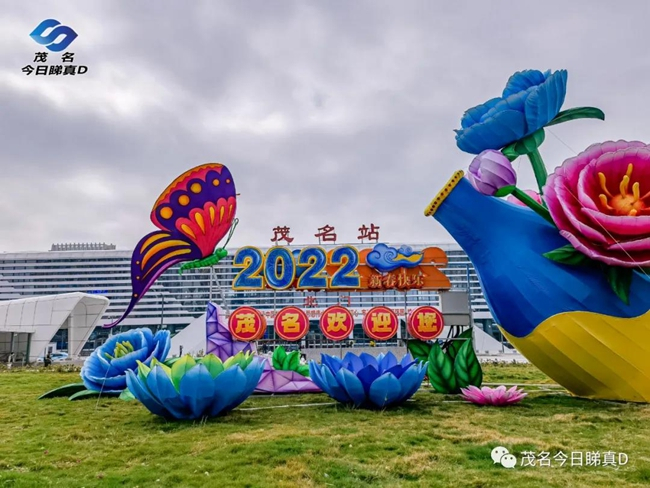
{"points": [[491, 173], [221, 343], [366, 381]]}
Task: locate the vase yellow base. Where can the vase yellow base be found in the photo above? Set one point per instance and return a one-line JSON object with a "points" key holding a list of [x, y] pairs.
{"points": [[592, 355]]}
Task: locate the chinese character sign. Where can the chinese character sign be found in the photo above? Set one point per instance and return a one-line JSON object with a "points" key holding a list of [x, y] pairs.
{"points": [[425, 323], [372, 233], [326, 234], [291, 324], [63, 68], [311, 301], [282, 234], [247, 324], [380, 323], [347, 268], [336, 323]]}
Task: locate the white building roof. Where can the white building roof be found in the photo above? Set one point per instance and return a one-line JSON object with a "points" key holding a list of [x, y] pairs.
{"points": [[43, 316]]}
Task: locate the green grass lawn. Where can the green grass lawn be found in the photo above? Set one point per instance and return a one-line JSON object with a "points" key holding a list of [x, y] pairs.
{"points": [[433, 440]]}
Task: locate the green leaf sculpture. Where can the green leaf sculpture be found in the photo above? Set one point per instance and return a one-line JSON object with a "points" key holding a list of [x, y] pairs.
{"points": [[441, 371], [525, 146], [292, 361], [179, 368], [64, 391], [467, 368], [279, 355], [454, 369], [419, 349], [577, 113], [454, 347], [303, 369], [620, 279], [213, 364], [126, 395], [169, 362], [288, 362], [567, 255], [85, 394]]}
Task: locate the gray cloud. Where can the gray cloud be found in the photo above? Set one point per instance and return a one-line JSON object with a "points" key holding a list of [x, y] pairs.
{"points": [[326, 112]]}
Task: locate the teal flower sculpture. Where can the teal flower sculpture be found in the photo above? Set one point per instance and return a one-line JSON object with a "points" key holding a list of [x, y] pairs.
{"points": [[105, 369], [194, 389], [530, 100], [104, 372], [366, 381], [515, 121]]}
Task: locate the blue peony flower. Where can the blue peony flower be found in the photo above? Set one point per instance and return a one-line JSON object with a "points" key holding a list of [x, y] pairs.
{"points": [[368, 381], [105, 369], [530, 100], [193, 389]]}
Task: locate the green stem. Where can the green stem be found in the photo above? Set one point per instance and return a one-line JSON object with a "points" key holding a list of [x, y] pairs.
{"points": [[530, 202], [539, 168]]}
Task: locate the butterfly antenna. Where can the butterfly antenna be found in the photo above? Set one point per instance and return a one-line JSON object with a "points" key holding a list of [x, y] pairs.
{"points": [[232, 230]]}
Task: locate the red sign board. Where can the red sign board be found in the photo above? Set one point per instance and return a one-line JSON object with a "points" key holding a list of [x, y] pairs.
{"points": [[425, 323], [247, 324], [291, 324], [337, 323], [380, 323]]}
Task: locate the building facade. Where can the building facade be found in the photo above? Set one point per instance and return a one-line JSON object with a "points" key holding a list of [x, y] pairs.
{"points": [[175, 299]]}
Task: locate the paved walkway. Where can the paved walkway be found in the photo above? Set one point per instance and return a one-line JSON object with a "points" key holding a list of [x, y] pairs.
{"points": [[503, 358]]}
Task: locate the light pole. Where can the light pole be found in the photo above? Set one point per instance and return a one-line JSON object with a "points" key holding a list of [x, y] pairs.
{"points": [[162, 312]]}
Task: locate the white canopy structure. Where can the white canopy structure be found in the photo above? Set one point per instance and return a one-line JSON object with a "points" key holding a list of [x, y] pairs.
{"points": [[42, 317]]}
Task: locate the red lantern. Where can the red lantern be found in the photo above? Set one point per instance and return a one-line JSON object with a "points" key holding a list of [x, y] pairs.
{"points": [[380, 323], [425, 323], [291, 324], [247, 324], [336, 323]]}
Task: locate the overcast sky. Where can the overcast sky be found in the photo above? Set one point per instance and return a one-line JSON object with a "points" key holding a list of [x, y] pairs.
{"points": [[326, 112]]}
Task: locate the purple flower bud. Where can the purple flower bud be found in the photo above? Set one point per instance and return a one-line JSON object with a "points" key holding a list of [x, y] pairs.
{"points": [[490, 172]]}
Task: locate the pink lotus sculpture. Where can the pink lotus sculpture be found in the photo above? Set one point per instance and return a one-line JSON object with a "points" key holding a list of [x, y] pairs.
{"points": [[492, 396]]}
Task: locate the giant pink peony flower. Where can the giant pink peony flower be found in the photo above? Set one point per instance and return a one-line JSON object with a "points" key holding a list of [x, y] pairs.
{"points": [[600, 201]]}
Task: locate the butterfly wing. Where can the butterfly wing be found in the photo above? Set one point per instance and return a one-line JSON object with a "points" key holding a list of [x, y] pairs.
{"points": [[193, 214], [155, 253], [200, 205]]}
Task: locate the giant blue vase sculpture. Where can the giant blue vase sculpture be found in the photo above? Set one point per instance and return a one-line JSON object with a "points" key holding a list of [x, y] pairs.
{"points": [[565, 319]]}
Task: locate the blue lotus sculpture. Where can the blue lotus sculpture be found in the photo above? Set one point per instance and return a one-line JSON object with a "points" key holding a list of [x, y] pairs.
{"points": [[194, 389], [105, 369], [366, 381]]}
